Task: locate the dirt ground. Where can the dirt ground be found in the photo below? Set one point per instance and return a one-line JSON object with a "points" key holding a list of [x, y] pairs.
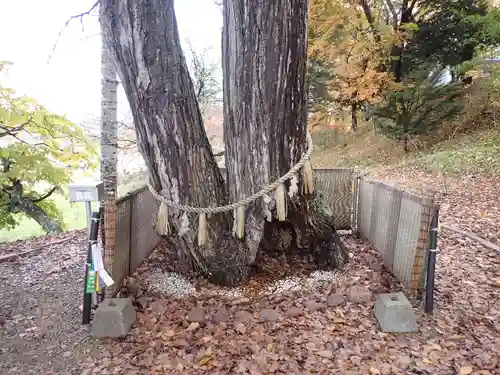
{"points": [[281, 322]]}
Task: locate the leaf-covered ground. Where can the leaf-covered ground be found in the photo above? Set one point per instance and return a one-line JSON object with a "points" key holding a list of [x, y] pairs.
{"points": [[325, 327]]}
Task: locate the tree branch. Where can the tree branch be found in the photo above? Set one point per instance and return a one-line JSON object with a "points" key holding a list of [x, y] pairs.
{"points": [[16, 129], [394, 14], [369, 18], [45, 196], [78, 16]]}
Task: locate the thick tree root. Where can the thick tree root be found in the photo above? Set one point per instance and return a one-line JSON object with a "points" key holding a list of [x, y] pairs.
{"points": [[229, 264], [223, 262], [309, 229]]}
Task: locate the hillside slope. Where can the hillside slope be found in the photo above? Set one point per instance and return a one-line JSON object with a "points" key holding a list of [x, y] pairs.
{"points": [[475, 153]]}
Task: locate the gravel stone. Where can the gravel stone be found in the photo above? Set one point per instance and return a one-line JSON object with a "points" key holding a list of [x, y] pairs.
{"points": [[335, 300], [359, 294]]}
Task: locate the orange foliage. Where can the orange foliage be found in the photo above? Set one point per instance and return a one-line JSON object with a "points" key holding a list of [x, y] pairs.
{"points": [[340, 37]]}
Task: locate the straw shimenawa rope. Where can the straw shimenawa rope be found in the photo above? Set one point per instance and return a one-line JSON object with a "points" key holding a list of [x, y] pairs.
{"points": [[230, 207]]}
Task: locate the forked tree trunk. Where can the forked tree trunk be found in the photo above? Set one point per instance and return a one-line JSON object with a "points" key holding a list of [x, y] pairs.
{"points": [[170, 133], [265, 120]]}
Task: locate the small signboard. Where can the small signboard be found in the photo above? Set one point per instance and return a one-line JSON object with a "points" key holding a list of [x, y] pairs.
{"points": [[92, 191]]}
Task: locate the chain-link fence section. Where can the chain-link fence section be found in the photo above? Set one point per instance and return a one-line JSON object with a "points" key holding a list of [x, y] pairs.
{"points": [[335, 185], [396, 223]]}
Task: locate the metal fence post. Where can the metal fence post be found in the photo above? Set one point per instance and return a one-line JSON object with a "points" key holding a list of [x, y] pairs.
{"points": [[355, 202], [431, 262], [88, 283]]}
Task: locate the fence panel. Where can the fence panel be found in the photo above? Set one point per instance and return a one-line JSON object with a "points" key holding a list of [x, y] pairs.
{"points": [[136, 237], [143, 236], [336, 186], [121, 262], [396, 223]]}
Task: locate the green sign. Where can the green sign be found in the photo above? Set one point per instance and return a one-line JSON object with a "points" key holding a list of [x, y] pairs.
{"points": [[90, 287]]}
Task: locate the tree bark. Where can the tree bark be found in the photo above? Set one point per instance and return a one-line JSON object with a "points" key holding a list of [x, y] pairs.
{"points": [[354, 117], [49, 225], [20, 203], [109, 124], [264, 47], [109, 150], [171, 137]]}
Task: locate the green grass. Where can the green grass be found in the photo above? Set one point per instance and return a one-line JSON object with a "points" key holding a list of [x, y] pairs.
{"points": [[73, 216], [470, 155]]}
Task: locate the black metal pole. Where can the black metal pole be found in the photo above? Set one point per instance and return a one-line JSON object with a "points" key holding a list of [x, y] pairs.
{"points": [[100, 296], [431, 262], [87, 297]]}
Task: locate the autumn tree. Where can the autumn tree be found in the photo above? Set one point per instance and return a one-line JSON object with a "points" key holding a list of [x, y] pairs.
{"points": [[345, 57], [445, 33], [428, 36], [38, 152], [264, 66], [418, 106]]}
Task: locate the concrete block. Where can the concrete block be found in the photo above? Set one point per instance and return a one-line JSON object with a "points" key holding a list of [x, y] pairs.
{"points": [[113, 318], [395, 313]]}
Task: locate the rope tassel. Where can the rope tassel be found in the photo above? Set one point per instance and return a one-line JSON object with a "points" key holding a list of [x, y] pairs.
{"points": [[162, 223], [239, 222], [202, 230], [307, 178], [281, 203]]}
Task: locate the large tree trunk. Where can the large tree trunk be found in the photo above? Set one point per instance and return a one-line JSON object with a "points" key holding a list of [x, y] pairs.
{"points": [[354, 117], [265, 123], [170, 133], [265, 114]]}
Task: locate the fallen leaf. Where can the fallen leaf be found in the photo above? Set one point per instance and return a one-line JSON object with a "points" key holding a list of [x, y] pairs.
{"points": [[466, 370], [193, 326], [205, 361], [240, 328], [325, 353]]}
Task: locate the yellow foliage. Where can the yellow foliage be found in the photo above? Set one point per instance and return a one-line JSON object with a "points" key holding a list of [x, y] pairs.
{"points": [[340, 37]]}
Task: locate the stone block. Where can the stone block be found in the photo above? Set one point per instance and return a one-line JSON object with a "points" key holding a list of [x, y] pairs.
{"points": [[113, 318], [395, 313]]}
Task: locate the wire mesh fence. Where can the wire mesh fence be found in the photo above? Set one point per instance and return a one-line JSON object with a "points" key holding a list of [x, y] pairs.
{"points": [[335, 186]]}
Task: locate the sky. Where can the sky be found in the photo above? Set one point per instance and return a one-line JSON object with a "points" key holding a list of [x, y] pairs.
{"points": [[67, 80]]}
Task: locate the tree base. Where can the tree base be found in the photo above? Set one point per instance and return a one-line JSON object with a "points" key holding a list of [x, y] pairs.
{"points": [[310, 230]]}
